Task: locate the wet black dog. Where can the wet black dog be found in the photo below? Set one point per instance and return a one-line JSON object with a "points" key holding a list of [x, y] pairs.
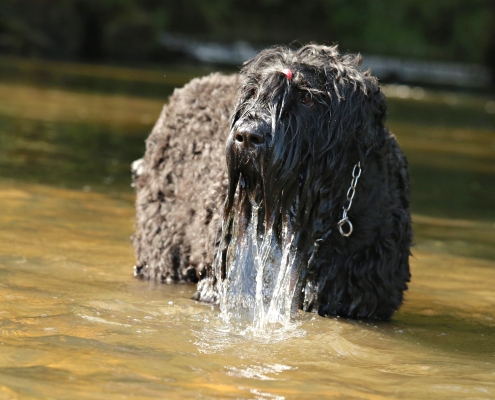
{"points": [[309, 153]]}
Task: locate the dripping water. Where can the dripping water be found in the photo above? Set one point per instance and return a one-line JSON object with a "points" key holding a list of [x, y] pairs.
{"points": [[257, 286]]}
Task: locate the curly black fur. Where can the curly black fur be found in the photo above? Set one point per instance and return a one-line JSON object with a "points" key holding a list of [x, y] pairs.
{"points": [[291, 151]]}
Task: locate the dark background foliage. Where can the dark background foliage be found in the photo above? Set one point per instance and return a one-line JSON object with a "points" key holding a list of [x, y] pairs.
{"points": [[454, 30]]}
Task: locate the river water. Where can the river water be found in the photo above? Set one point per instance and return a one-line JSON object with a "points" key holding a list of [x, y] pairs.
{"points": [[74, 323]]}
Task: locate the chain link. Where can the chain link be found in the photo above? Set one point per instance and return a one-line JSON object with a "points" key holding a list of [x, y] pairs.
{"points": [[356, 173]]}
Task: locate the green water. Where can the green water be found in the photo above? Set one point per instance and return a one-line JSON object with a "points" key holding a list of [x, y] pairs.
{"points": [[74, 323]]}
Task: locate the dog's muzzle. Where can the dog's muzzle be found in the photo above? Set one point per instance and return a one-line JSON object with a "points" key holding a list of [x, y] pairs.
{"points": [[248, 138], [246, 151], [250, 135]]}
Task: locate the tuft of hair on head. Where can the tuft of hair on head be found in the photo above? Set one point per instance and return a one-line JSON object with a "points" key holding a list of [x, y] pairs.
{"points": [[358, 60]]}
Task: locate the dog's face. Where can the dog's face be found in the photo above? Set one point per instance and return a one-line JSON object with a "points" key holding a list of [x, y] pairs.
{"points": [[302, 120]]}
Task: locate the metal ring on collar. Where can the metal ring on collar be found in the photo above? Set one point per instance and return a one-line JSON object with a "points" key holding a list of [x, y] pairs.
{"points": [[341, 223]]}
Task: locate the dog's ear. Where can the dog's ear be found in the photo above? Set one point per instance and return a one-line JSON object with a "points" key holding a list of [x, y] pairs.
{"points": [[374, 108]]}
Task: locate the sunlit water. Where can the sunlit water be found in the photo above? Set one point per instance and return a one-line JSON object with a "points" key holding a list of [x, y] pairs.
{"points": [[74, 323]]}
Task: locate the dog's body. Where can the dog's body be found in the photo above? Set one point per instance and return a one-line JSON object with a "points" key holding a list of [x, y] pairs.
{"points": [[302, 124]]}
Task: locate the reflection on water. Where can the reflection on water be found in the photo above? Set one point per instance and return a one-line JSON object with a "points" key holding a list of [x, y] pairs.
{"points": [[75, 324]]}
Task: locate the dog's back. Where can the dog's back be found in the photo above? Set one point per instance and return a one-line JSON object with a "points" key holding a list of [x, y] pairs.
{"points": [[179, 183]]}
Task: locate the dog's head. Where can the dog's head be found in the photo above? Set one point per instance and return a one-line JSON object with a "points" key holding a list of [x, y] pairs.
{"points": [[303, 119]]}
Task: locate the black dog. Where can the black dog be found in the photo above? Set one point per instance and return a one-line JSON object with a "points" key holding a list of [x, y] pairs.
{"points": [[309, 154]]}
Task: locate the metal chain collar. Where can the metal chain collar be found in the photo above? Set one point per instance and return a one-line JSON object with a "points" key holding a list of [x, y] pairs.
{"points": [[356, 173]]}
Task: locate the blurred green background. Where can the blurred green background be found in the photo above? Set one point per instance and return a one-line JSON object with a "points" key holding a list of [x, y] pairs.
{"points": [[97, 30]]}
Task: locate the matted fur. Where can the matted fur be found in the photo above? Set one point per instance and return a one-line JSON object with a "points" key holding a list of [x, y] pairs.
{"points": [[314, 130], [180, 189]]}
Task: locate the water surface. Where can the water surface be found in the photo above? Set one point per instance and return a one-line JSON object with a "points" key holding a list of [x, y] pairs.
{"points": [[74, 323]]}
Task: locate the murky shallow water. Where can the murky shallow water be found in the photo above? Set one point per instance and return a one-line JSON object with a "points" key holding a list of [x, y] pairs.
{"points": [[74, 323]]}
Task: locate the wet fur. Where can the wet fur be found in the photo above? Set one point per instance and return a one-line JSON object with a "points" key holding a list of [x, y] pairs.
{"points": [[194, 178]]}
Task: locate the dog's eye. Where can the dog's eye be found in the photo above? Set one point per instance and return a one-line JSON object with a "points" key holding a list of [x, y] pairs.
{"points": [[306, 99]]}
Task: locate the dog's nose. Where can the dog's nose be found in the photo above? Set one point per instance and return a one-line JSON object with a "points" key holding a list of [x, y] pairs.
{"points": [[248, 138]]}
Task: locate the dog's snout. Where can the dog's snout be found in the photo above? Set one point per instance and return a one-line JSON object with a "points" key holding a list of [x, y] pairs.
{"points": [[248, 138]]}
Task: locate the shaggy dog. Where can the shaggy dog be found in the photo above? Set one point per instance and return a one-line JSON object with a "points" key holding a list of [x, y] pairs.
{"points": [[307, 152]]}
